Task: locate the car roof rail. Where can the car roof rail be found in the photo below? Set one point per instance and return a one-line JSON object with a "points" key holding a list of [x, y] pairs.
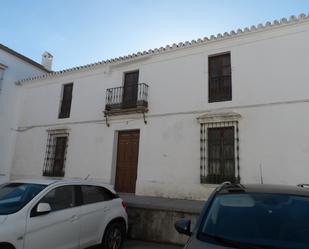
{"points": [[222, 186], [230, 186], [303, 185]]}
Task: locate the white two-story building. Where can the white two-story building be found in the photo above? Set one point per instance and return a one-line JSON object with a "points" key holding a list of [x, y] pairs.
{"points": [[13, 67], [177, 120]]}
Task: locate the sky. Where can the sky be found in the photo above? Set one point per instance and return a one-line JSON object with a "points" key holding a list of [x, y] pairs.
{"points": [[78, 32]]}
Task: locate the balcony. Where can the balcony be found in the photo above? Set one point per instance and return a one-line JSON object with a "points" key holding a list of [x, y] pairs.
{"points": [[125, 100]]}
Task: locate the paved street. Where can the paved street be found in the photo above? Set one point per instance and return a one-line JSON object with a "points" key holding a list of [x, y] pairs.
{"points": [[135, 244]]}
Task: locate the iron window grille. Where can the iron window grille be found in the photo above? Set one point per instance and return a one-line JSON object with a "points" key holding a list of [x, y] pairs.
{"points": [[220, 152], [220, 78], [55, 155]]}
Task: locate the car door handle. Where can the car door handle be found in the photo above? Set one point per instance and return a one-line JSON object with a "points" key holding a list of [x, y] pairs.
{"points": [[74, 218], [106, 209]]}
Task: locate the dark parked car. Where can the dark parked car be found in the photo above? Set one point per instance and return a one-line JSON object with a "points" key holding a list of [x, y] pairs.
{"points": [[251, 217]]}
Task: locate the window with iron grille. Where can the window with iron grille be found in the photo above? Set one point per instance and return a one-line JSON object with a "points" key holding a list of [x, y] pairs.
{"points": [[65, 107], [219, 77], [219, 152], [55, 155]]}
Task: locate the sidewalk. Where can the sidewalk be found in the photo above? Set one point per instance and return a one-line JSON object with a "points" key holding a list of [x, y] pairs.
{"points": [[177, 205]]}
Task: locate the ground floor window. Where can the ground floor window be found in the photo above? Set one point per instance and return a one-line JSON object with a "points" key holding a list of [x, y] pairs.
{"points": [[219, 152], [55, 156]]}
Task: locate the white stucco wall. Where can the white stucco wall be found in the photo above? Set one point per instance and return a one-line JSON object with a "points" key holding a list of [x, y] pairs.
{"points": [[16, 69], [270, 92]]}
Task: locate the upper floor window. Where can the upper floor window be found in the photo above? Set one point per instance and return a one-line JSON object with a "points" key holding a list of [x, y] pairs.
{"points": [[2, 68], [219, 77], [65, 107]]}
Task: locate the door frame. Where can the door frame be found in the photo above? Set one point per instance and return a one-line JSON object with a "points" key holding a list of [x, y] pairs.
{"points": [[115, 154], [129, 71]]}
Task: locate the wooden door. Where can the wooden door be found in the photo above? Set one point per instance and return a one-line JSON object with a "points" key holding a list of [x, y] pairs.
{"points": [[127, 159], [130, 89]]}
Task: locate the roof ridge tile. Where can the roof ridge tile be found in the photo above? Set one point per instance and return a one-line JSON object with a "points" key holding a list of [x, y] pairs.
{"points": [[186, 44]]}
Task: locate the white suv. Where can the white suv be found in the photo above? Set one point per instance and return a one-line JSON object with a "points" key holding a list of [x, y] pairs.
{"points": [[66, 214]]}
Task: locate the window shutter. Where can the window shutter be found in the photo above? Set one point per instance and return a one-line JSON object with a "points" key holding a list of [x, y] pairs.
{"points": [[66, 101], [220, 80]]}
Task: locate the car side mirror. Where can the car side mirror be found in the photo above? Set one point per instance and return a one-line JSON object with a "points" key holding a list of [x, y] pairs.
{"points": [[43, 208], [183, 226]]}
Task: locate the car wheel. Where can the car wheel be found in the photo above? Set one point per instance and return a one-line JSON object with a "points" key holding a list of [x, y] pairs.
{"points": [[114, 236], [6, 246]]}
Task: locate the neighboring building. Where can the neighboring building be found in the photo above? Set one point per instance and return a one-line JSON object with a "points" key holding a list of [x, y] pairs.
{"points": [[13, 67], [178, 120]]}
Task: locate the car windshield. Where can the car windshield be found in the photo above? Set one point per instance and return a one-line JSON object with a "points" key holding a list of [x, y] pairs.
{"points": [[256, 220], [14, 196]]}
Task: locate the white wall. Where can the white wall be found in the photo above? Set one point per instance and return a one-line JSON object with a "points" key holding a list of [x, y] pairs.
{"points": [[270, 92], [16, 70]]}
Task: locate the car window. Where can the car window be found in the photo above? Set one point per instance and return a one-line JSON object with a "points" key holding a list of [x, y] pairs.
{"points": [[257, 219], [14, 196], [60, 198], [93, 194]]}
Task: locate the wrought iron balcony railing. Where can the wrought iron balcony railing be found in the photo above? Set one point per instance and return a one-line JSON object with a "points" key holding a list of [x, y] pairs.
{"points": [[128, 98]]}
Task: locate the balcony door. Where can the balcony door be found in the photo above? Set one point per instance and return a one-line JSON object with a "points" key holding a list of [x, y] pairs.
{"points": [[130, 89]]}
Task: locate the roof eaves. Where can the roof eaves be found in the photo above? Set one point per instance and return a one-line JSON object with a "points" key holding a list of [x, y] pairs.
{"points": [[24, 58], [188, 44]]}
